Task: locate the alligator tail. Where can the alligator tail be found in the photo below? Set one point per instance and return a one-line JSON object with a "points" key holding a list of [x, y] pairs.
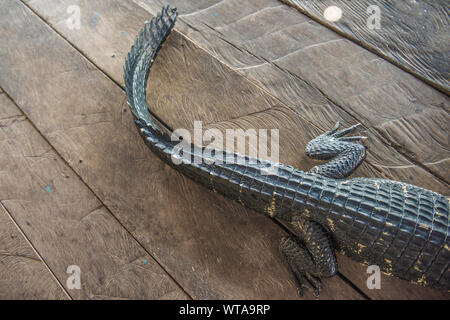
{"points": [[140, 59]]}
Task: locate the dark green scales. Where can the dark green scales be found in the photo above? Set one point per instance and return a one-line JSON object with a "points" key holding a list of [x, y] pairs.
{"points": [[399, 227]]}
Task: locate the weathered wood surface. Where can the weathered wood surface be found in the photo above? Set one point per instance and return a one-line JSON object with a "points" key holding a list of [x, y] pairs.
{"points": [[65, 222], [212, 247], [208, 78], [245, 38], [22, 274], [192, 67], [412, 34], [408, 143], [323, 78]]}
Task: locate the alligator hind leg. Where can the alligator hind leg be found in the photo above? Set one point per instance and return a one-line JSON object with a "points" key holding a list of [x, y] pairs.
{"points": [[344, 154], [310, 257]]}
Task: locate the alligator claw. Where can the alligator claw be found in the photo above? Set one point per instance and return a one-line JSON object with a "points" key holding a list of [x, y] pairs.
{"points": [[336, 127], [301, 266], [343, 132], [334, 133], [338, 135], [305, 280], [353, 138], [344, 153], [314, 284]]}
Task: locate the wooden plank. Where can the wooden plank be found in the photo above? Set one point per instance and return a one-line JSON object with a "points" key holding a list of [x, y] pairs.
{"points": [[23, 274], [411, 34], [195, 71], [67, 225], [213, 247], [392, 288]]}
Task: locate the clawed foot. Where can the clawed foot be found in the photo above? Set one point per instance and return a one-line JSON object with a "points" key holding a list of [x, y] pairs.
{"points": [[335, 134], [297, 260], [332, 143], [308, 281]]}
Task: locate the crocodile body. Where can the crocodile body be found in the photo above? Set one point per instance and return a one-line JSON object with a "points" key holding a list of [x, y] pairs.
{"points": [[399, 227]]}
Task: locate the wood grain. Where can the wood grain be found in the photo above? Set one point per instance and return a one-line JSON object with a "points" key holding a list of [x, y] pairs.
{"points": [[391, 288], [213, 247], [412, 34], [325, 78], [305, 82], [67, 225], [212, 81], [23, 274]]}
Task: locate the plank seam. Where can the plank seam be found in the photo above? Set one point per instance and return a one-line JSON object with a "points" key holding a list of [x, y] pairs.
{"points": [[64, 160], [367, 47], [85, 56], [76, 173], [34, 249], [72, 45], [351, 284], [420, 165], [98, 198], [374, 167]]}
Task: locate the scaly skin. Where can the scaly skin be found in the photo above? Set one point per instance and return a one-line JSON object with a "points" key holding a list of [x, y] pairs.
{"points": [[399, 227]]}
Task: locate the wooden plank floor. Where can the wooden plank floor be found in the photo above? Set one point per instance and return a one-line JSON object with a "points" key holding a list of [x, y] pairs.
{"points": [[94, 196], [23, 274], [411, 34], [66, 223]]}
